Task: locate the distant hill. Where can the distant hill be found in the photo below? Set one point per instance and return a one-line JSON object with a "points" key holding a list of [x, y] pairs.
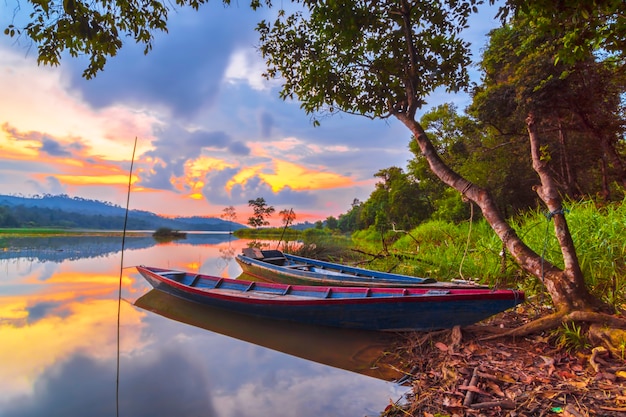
{"points": [[75, 212]]}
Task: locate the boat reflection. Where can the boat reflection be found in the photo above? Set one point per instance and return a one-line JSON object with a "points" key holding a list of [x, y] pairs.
{"points": [[358, 351]]}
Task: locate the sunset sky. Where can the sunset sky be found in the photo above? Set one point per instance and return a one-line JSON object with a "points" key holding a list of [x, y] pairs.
{"points": [[211, 132]]}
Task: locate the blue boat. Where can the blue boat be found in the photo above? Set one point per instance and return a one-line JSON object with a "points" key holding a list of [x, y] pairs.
{"points": [[367, 308], [277, 266]]}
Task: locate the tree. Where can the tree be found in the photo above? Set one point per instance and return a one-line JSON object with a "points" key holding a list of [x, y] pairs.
{"points": [[96, 29], [332, 223], [396, 200], [350, 221], [230, 215], [261, 211], [381, 60], [479, 152], [579, 104], [287, 216]]}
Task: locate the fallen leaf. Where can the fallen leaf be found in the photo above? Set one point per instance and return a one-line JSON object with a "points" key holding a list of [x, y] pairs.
{"points": [[441, 346], [577, 384], [495, 388]]}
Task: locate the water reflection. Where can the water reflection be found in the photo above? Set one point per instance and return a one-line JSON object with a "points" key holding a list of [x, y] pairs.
{"points": [[58, 323], [353, 350]]}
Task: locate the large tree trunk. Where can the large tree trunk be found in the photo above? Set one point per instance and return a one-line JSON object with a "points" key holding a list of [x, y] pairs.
{"points": [[571, 278], [566, 287]]}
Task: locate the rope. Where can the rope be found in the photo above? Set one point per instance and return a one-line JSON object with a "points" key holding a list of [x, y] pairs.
{"points": [[119, 288], [469, 232]]}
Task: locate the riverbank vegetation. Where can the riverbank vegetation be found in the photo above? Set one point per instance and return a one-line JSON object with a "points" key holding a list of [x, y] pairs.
{"points": [[469, 249]]}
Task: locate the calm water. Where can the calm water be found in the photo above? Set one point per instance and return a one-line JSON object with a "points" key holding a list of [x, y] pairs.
{"points": [[58, 340]]}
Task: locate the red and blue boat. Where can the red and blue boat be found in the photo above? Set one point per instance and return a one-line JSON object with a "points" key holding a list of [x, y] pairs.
{"points": [[366, 308]]}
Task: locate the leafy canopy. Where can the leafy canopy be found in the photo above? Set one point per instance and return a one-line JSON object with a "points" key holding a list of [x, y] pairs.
{"points": [[579, 27], [373, 58]]}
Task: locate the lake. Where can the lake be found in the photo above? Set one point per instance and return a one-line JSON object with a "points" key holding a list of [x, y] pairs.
{"points": [[59, 344]]}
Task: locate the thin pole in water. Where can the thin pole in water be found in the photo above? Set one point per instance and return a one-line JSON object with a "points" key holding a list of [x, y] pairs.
{"points": [[119, 288]]}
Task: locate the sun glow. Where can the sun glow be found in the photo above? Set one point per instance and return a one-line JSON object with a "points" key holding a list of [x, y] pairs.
{"points": [[301, 178]]}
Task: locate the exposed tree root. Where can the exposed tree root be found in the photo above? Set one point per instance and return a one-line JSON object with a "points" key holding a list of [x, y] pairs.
{"points": [[555, 320]]}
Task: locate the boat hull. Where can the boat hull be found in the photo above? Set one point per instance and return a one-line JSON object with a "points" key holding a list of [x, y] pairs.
{"points": [[382, 309]]}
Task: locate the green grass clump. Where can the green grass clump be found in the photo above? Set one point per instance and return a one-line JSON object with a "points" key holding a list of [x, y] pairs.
{"points": [[471, 250]]}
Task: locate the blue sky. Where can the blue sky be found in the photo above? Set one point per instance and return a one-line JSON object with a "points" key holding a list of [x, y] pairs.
{"points": [[211, 132]]}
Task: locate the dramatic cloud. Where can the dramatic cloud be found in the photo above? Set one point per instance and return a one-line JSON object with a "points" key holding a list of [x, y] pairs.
{"points": [[184, 70]]}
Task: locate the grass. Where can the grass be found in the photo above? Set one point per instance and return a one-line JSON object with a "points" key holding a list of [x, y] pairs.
{"points": [[440, 250]]}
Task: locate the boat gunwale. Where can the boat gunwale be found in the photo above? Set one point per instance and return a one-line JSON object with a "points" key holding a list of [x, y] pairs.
{"points": [[404, 295], [343, 271]]}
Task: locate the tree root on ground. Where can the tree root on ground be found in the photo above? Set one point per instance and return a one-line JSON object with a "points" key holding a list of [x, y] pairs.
{"points": [[555, 320], [608, 330]]}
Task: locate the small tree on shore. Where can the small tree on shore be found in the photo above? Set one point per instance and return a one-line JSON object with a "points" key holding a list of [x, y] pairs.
{"points": [[230, 215], [287, 216], [261, 211]]}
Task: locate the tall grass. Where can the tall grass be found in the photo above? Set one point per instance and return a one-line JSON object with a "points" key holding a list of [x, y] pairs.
{"points": [[442, 250]]}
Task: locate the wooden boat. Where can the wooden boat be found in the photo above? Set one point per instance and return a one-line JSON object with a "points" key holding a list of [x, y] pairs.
{"points": [[367, 308], [276, 266]]}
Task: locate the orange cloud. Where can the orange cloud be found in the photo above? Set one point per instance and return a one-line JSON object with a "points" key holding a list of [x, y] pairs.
{"points": [[17, 149], [95, 179], [293, 175], [301, 178], [203, 164]]}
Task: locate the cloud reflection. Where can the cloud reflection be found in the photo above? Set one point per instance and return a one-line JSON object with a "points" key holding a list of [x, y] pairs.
{"points": [[84, 386]]}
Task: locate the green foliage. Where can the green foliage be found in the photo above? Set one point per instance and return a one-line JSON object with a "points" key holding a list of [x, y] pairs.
{"points": [[326, 246], [396, 202], [578, 106], [438, 249], [571, 338], [166, 234], [351, 221], [352, 56], [27, 216], [268, 233], [578, 27], [7, 219], [332, 223]]}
